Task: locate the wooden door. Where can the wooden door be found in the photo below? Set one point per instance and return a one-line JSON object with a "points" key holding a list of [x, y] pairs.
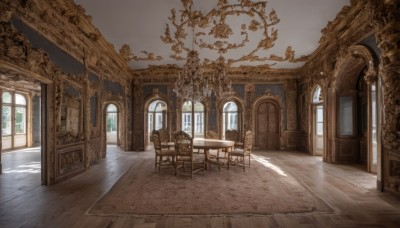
{"points": [[267, 127]]}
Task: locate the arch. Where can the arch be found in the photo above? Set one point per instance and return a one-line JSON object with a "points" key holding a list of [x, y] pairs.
{"points": [[112, 123], [16, 120], [241, 113], [276, 103], [317, 124], [199, 118], [355, 59], [354, 72], [121, 130], [146, 106], [316, 94]]}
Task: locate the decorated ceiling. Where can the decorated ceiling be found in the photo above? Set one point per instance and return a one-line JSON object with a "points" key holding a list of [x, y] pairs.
{"points": [[273, 33]]}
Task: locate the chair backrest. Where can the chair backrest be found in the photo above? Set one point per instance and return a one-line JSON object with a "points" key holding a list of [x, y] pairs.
{"points": [[232, 135], [164, 136], [211, 134], [183, 144], [248, 142], [156, 140]]}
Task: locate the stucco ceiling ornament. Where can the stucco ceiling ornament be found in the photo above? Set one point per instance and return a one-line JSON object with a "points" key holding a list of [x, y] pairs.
{"points": [[215, 33]]}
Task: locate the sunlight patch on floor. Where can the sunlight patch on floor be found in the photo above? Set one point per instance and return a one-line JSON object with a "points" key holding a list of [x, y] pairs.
{"points": [[32, 167], [264, 161]]}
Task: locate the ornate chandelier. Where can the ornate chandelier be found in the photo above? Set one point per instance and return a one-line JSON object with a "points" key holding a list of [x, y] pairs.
{"points": [[194, 85]]}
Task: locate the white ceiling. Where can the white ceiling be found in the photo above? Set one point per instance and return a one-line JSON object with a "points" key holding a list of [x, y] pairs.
{"points": [[140, 23]]}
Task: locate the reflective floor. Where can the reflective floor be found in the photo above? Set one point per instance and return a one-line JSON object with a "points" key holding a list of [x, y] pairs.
{"points": [[347, 189], [21, 172]]}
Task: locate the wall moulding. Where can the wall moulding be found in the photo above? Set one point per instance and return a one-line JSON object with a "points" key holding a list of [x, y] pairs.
{"points": [[66, 25]]}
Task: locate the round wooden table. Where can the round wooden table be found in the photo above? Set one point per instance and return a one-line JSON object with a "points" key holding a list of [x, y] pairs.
{"points": [[212, 144]]}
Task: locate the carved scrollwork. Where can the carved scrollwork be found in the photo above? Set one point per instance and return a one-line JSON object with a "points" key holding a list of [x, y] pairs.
{"points": [[214, 24]]}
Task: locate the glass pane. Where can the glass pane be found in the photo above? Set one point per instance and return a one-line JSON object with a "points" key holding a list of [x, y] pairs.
{"points": [[112, 108], [6, 97], [157, 106], [111, 122], [230, 107], [187, 106], [346, 115], [151, 122], [374, 124], [19, 99], [320, 128], [320, 114], [186, 123], [20, 120], [159, 121], [6, 120], [317, 95]]}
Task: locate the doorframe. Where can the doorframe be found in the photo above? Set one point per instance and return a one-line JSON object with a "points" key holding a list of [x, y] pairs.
{"points": [[276, 100]]}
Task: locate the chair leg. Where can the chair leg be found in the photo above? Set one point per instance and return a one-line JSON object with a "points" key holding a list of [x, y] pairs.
{"points": [[159, 165]]}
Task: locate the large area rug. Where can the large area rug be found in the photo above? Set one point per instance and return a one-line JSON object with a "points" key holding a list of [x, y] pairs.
{"points": [[265, 188]]}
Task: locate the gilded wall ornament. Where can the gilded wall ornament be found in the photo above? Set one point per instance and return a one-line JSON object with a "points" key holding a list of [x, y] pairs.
{"points": [[213, 31]]}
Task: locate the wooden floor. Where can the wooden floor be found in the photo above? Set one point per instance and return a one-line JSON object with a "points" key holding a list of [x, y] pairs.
{"points": [[349, 190]]}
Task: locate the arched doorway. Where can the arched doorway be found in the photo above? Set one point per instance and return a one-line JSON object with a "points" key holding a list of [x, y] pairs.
{"points": [[318, 122], [112, 124], [356, 109], [14, 120], [230, 117], [198, 118], [156, 117], [267, 125]]}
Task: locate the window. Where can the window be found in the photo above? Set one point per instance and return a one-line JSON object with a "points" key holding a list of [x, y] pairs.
{"points": [[156, 117], [112, 118], [346, 115], [317, 96], [157, 113], [112, 124], [14, 120], [198, 118], [230, 118]]}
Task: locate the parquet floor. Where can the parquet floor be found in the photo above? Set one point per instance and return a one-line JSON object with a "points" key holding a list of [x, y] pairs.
{"points": [[349, 190]]}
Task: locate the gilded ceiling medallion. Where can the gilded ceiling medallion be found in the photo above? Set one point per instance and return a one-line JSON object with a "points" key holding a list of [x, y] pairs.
{"points": [[214, 31]]}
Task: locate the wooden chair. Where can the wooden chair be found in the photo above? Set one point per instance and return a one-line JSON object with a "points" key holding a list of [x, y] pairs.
{"points": [[165, 140], [241, 154], [185, 156], [234, 135], [162, 153]]}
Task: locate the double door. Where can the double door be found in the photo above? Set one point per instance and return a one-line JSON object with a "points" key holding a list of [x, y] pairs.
{"points": [[267, 126]]}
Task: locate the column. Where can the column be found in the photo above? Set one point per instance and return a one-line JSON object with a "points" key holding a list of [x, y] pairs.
{"points": [[387, 22]]}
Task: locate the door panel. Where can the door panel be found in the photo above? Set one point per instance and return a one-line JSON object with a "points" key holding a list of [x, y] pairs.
{"points": [[262, 126], [273, 126], [267, 127]]}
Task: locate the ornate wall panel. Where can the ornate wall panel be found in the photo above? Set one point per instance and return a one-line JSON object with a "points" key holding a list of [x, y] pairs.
{"points": [[71, 161], [69, 46], [348, 150]]}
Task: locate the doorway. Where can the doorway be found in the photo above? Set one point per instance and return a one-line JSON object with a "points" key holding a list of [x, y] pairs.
{"points": [[318, 122], [112, 124], [23, 125], [267, 126]]}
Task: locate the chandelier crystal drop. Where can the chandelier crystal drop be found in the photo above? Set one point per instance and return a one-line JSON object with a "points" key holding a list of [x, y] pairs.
{"points": [[194, 85]]}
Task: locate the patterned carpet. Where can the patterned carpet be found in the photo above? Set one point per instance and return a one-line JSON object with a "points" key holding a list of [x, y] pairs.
{"points": [[265, 188]]}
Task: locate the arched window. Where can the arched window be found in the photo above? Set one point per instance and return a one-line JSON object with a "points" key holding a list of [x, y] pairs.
{"points": [[157, 115], [230, 117], [198, 118], [318, 121], [317, 97], [112, 124], [14, 120]]}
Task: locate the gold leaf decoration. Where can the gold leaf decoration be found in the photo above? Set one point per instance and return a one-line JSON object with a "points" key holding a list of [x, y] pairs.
{"points": [[214, 31]]}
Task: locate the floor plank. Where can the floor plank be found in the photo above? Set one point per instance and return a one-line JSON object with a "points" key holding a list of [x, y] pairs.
{"points": [[348, 189]]}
